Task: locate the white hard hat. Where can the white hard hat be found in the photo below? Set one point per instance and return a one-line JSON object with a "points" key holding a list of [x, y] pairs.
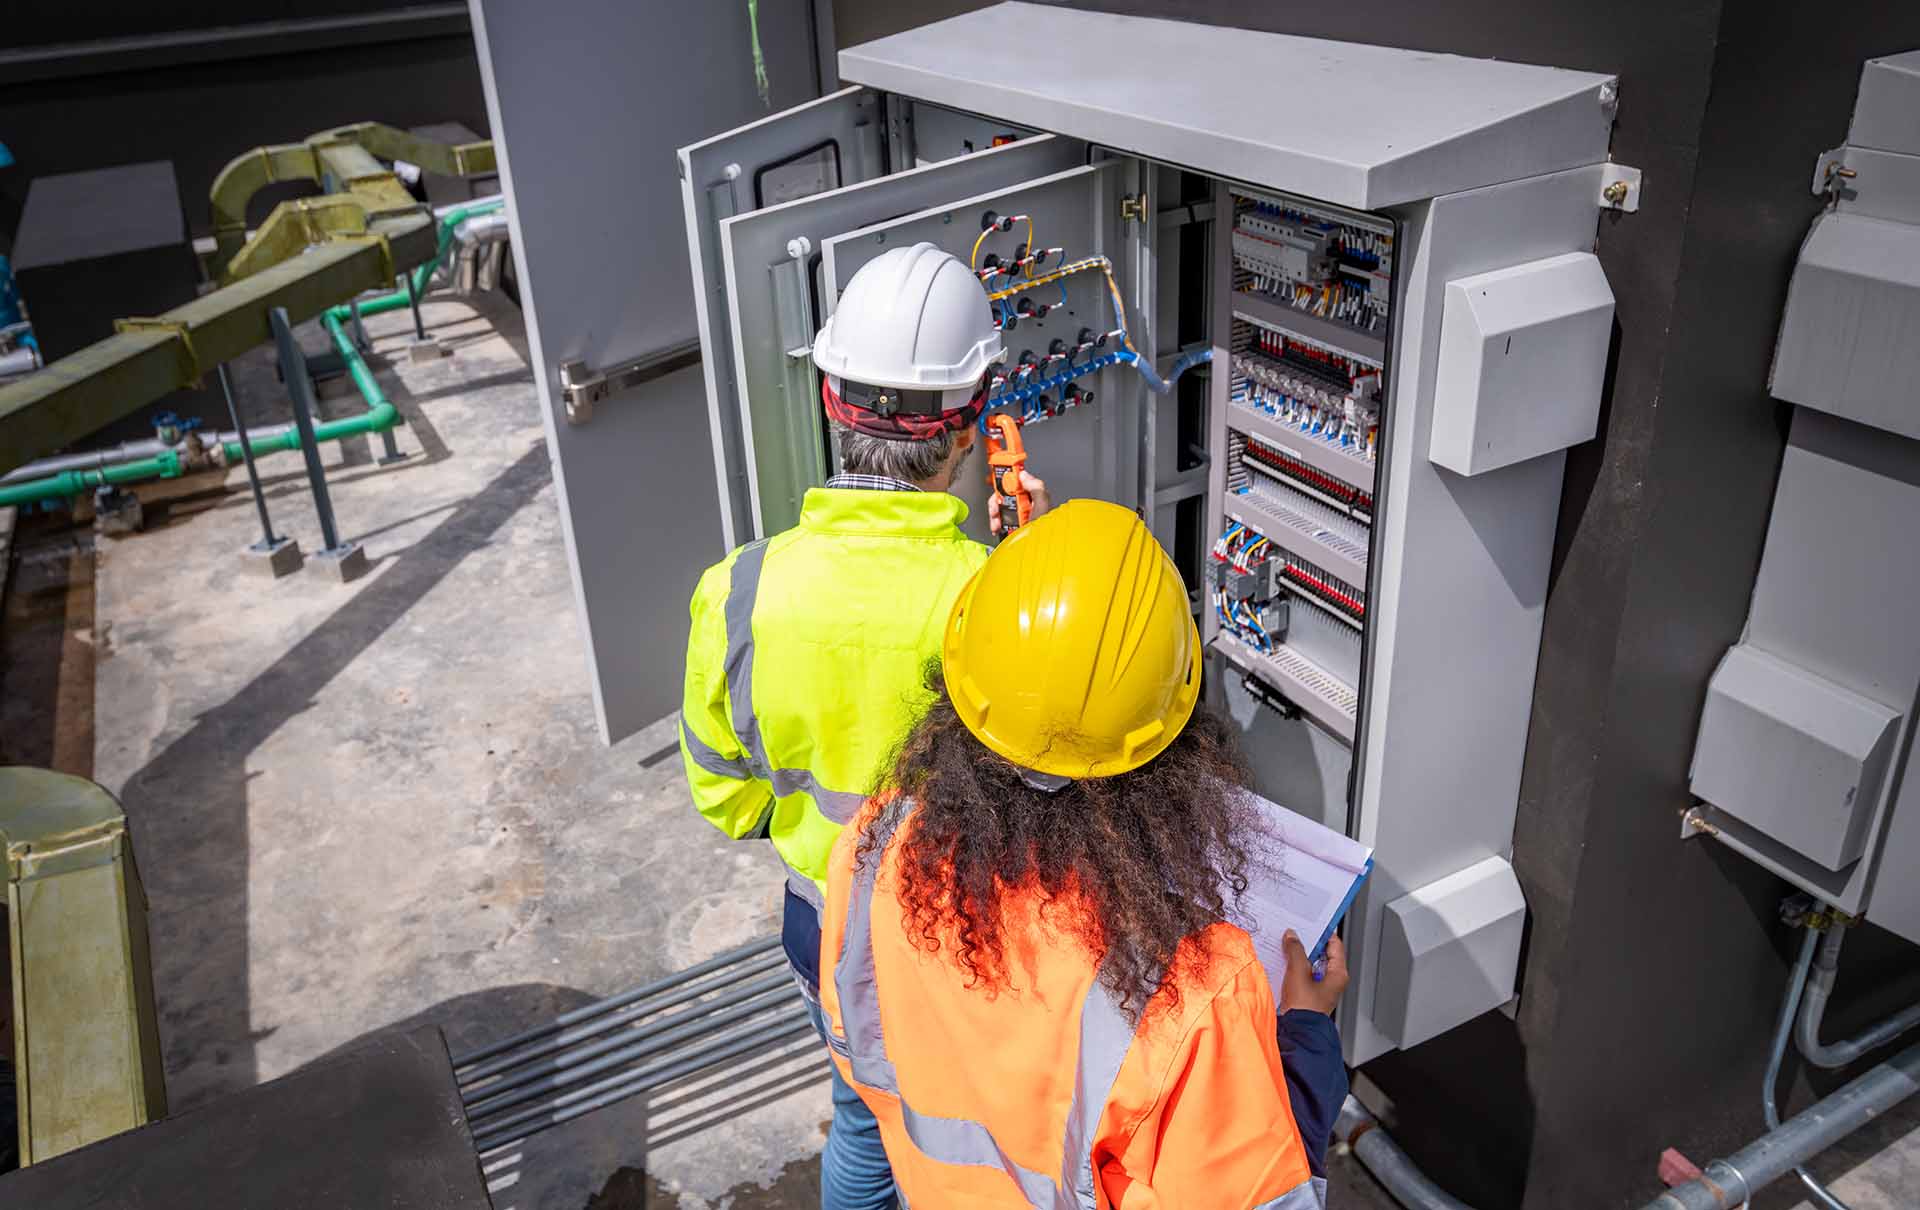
{"points": [[914, 319]]}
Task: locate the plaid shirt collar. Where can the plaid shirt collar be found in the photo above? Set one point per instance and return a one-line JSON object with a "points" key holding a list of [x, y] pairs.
{"points": [[870, 483]]}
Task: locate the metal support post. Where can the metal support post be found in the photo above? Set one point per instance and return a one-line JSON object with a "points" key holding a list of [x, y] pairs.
{"points": [[275, 556], [345, 560], [413, 301]]}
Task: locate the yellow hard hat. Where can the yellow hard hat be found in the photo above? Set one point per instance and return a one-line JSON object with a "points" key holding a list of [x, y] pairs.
{"points": [[1072, 651]]}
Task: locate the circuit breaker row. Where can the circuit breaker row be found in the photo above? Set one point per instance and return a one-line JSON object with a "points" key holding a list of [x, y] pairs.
{"points": [[1311, 300]]}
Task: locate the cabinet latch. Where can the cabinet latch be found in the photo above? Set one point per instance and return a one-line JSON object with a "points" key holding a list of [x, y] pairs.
{"points": [[1133, 207], [583, 386]]}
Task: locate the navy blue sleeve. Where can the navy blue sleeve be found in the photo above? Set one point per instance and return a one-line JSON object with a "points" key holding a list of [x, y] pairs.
{"points": [[1316, 1079]]}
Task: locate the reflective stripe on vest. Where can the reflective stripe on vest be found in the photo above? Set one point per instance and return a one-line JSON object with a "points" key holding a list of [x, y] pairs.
{"points": [[1105, 1039], [1310, 1194], [710, 759], [743, 589]]}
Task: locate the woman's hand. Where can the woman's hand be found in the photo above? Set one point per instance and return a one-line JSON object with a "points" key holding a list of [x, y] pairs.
{"points": [[1301, 988]]}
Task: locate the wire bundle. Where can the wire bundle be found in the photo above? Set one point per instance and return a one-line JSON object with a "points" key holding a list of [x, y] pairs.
{"points": [[1242, 549]]}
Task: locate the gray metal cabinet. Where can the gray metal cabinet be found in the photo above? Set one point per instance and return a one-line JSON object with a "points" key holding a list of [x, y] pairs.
{"points": [[1390, 264], [1374, 614]]}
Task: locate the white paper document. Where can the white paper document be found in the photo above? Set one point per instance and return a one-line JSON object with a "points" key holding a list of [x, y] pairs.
{"points": [[1301, 875]]}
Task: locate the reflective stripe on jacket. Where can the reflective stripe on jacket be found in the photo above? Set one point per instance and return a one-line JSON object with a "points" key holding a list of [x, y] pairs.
{"points": [[806, 664], [1042, 1095]]}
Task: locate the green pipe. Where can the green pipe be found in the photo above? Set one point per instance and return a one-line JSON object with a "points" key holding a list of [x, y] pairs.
{"points": [[164, 465], [382, 303], [380, 416]]}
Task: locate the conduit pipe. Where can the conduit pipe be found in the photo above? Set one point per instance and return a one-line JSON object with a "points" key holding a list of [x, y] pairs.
{"points": [[1826, 967], [1375, 1148], [17, 361], [79, 473], [1734, 1180], [1769, 1107]]}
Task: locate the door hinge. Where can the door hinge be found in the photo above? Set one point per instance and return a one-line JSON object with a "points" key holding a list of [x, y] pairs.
{"points": [[1133, 207], [582, 386]]}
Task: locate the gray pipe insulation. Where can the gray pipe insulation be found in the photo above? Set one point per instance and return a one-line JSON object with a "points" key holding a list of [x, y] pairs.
{"points": [[133, 451], [1375, 1148], [14, 362]]}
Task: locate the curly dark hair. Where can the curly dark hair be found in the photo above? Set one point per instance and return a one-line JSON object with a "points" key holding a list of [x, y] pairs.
{"points": [[1130, 866]]}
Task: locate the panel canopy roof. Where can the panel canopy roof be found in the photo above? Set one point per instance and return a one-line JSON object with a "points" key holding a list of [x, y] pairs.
{"points": [[1362, 126]]}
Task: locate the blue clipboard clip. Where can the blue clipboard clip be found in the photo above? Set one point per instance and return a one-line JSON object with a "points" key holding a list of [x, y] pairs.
{"points": [[1318, 955]]}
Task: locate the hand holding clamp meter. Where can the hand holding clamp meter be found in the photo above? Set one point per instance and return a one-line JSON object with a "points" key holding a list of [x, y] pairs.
{"points": [[1006, 465]]}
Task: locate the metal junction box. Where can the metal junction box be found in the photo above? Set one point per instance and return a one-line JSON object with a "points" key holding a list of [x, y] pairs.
{"points": [[1373, 619], [1523, 353], [1793, 754], [1445, 951]]}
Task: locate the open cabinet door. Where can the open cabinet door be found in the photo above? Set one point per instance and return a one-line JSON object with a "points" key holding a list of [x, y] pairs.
{"points": [[772, 260], [1094, 446], [587, 112], [814, 148]]}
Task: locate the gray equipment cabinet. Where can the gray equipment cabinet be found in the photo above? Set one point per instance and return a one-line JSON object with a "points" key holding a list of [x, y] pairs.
{"points": [[1804, 755], [1407, 328]]}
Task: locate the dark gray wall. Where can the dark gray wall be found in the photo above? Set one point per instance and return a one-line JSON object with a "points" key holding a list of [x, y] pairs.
{"points": [[219, 78], [1653, 967]]}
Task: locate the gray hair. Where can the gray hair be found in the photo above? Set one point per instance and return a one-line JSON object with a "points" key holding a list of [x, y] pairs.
{"points": [[914, 461]]}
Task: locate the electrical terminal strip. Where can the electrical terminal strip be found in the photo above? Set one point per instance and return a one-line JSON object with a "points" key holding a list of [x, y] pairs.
{"points": [[1249, 453], [1316, 407], [1313, 263]]}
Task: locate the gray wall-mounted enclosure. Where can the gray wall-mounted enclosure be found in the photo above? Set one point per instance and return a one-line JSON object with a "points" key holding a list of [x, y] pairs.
{"points": [[1523, 353], [1448, 949], [1795, 755], [1804, 755]]}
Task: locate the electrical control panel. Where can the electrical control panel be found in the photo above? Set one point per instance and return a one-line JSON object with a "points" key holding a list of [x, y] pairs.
{"points": [[1308, 307], [1221, 287]]}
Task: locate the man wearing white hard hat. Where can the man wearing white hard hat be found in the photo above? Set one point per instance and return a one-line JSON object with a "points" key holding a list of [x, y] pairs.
{"points": [[808, 649]]}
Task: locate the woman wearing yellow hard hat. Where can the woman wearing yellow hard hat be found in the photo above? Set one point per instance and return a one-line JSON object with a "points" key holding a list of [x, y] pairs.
{"points": [[1025, 960]]}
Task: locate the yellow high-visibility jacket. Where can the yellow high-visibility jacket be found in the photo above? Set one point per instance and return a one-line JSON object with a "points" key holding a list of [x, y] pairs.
{"points": [[806, 664]]}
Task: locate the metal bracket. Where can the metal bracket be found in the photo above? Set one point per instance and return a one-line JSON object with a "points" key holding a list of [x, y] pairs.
{"points": [[1831, 174], [1619, 187], [582, 386], [1268, 696], [1133, 207], [1694, 822]]}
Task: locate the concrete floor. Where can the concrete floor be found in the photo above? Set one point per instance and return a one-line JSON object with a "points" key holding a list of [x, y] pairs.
{"points": [[384, 802], [375, 804]]}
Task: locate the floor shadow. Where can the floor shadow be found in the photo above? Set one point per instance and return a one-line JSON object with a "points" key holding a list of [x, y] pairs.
{"points": [[205, 900], [559, 1164]]}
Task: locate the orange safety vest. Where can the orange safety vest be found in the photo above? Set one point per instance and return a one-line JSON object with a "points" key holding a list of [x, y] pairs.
{"points": [[1042, 1095]]}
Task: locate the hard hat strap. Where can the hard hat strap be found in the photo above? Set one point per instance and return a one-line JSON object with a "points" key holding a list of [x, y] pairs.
{"points": [[898, 415], [1046, 783]]}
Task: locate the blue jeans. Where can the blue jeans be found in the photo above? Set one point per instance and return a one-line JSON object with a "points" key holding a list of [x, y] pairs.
{"points": [[854, 1174]]}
